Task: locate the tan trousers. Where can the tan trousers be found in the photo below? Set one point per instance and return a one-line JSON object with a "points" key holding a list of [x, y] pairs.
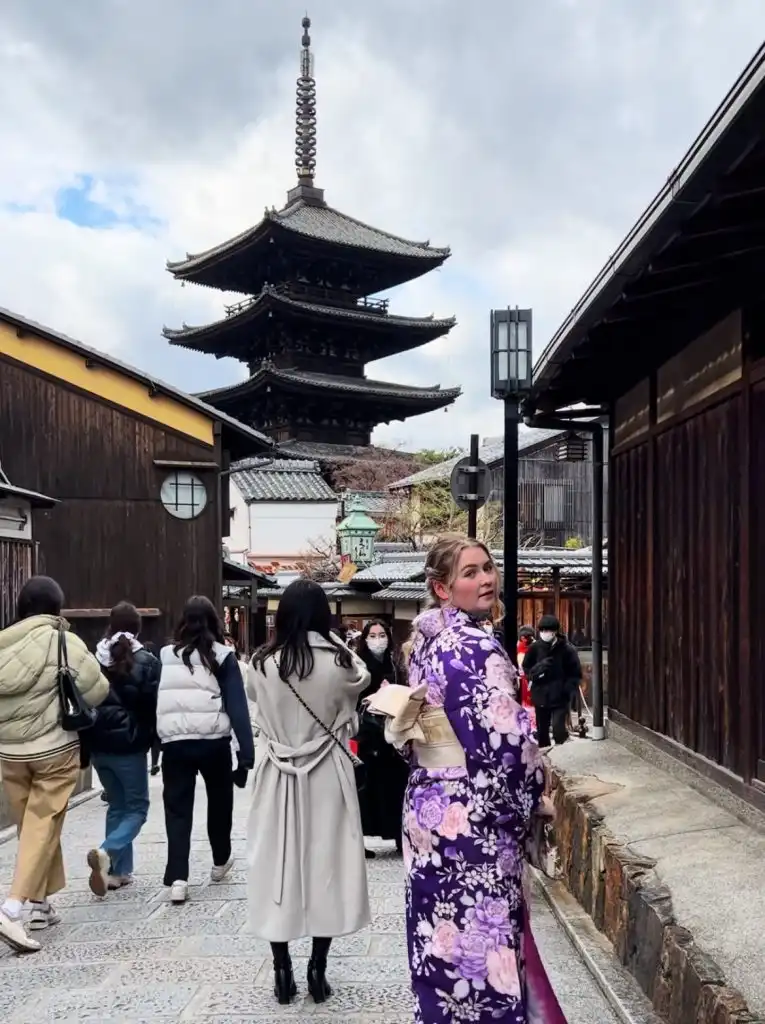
{"points": [[38, 793]]}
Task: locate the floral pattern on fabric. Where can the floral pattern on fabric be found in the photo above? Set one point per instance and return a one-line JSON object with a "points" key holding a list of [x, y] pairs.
{"points": [[464, 831]]}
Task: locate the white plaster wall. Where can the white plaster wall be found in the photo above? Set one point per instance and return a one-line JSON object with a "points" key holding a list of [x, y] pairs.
{"points": [[238, 540], [288, 528]]}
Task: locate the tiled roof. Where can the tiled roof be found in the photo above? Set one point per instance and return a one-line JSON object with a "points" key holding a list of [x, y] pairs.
{"points": [[244, 572], [326, 452], [409, 566], [386, 572], [333, 590], [320, 222], [490, 453], [402, 592], [281, 480], [371, 502], [329, 382], [269, 297]]}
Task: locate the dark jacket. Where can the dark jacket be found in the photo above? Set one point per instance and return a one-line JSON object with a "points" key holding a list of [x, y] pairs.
{"points": [[126, 721], [554, 672]]}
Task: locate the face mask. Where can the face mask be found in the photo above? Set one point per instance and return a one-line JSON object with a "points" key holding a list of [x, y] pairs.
{"points": [[546, 636], [378, 645], [488, 626]]}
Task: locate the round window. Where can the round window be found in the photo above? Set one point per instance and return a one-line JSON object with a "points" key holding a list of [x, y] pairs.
{"points": [[183, 495]]}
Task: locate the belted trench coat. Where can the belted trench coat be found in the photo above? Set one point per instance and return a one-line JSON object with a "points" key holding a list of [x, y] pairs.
{"points": [[306, 866]]}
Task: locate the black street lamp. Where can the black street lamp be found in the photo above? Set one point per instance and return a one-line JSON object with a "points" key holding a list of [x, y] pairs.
{"points": [[511, 381]]}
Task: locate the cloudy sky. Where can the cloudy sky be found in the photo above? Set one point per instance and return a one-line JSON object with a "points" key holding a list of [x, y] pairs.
{"points": [[526, 134]]}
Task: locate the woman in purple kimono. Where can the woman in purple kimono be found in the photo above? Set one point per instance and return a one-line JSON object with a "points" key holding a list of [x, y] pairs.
{"points": [[477, 779]]}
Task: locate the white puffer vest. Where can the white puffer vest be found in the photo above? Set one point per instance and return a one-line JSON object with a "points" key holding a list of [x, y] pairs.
{"points": [[189, 704]]}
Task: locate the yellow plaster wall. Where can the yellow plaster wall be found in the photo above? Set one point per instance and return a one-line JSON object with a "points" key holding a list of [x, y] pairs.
{"points": [[105, 382]]}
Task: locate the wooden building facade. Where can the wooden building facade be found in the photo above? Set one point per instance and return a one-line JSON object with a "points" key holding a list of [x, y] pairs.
{"points": [[671, 341], [136, 467]]}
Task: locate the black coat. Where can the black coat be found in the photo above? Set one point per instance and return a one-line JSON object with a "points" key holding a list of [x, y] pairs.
{"points": [[554, 672], [382, 799], [126, 722]]}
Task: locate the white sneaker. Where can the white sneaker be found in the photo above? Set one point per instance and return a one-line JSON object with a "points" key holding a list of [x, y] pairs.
{"points": [[13, 934], [100, 865], [219, 872], [179, 892], [43, 916], [118, 881]]}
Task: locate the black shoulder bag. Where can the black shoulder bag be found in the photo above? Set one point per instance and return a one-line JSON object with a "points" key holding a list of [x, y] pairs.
{"points": [[359, 768], [76, 715]]}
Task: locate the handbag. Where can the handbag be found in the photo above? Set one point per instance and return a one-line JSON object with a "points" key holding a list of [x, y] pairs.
{"points": [[76, 715], [359, 768]]}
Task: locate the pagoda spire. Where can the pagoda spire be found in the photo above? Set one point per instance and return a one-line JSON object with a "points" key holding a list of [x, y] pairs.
{"points": [[305, 126]]}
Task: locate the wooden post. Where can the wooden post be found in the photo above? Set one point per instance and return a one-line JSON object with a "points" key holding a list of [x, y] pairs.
{"points": [[556, 590], [748, 711]]}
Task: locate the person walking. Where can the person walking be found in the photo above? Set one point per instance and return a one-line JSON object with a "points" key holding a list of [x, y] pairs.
{"points": [[201, 699], [118, 742], [554, 672], [39, 761], [382, 798], [307, 873], [156, 745], [476, 782]]}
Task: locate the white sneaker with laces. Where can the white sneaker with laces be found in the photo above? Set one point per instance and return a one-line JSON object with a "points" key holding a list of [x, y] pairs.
{"points": [[179, 892], [13, 934], [43, 916], [219, 871]]}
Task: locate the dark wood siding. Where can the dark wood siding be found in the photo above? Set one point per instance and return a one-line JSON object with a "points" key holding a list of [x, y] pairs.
{"points": [[675, 601], [757, 559], [15, 570], [110, 538]]}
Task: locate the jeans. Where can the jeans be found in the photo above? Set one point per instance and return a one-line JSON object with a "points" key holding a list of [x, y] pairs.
{"points": [[181, 761], [126, 783]]}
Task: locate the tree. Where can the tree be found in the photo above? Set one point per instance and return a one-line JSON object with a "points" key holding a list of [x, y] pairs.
{"points": [[320, 562]]}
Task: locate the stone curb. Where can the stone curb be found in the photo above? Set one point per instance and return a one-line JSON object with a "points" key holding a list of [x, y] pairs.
{"points": [[620, 990], [6, 834], [622, 894]]}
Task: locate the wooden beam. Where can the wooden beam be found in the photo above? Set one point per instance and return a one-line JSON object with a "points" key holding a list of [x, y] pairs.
{"points": [[104, 613], [209, 467]]}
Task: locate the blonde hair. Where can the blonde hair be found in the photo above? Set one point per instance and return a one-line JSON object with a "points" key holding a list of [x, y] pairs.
{"points": [[443, 559]]}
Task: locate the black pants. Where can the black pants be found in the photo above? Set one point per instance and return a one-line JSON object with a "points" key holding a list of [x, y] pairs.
{"points": [[156, 749], [180, 763], [555, 717]]}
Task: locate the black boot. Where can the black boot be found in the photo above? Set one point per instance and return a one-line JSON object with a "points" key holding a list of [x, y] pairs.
{"points": [[285, 988], [318, 985]]}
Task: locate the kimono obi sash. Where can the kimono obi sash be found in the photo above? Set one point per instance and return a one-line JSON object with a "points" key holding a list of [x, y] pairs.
{"points": [[410, 720], [440, 747]]}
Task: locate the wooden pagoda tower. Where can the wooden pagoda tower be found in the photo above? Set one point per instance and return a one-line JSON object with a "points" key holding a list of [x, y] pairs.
{"points": [[307, 325]]}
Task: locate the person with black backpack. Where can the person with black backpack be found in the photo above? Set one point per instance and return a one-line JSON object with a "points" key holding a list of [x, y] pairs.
{"points": [[118, 742], [554, 672]]}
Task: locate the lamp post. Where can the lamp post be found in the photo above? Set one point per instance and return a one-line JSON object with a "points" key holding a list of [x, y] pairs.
{"points": [[357, 534], [511, 381]]}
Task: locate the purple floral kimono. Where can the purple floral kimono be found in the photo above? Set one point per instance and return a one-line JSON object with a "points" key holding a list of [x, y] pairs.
{"points": [[471, 953]]}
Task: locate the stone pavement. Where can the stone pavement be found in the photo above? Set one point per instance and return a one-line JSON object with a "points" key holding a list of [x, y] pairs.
{"points": [[136, 958]]}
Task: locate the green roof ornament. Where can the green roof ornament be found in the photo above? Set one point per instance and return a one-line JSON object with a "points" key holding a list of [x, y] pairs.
{"points": [[357, 534]]}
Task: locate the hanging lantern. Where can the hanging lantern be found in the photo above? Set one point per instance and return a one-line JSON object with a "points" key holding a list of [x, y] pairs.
{"points": [[571, 448]]}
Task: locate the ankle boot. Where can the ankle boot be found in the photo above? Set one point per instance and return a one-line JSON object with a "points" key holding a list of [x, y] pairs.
{"points": [[285, 988], [318, 985]]}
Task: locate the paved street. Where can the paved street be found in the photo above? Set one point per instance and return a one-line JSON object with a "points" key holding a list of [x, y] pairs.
{"points": [[135, 958]]}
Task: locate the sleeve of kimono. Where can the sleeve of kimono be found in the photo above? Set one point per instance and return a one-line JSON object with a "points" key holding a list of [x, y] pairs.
{"points": [[495, 733]]}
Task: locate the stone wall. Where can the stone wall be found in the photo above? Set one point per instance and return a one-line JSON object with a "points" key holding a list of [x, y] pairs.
{"points": [[623, 895], [85, 783]]}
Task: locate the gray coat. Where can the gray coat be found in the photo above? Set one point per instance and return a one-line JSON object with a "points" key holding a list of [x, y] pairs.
{"points": [[307, 871]]}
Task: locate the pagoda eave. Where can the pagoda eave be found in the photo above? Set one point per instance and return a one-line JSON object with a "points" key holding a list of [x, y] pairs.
{"points": [[309, 232], [237, 335]]}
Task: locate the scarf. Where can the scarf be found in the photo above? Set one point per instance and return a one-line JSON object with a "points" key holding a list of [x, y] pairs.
{"points": [[104, 647]]}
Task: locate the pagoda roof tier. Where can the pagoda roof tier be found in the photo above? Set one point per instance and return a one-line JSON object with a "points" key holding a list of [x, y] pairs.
{"points": [[399, 399], [304, 232], [244, 330]]}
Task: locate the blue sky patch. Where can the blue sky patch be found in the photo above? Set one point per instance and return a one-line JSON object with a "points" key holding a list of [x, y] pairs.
{"points": [[80, 205]]}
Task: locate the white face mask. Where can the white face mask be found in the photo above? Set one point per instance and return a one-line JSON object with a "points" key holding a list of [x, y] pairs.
{"points": [[378, 645], [546, 636]]}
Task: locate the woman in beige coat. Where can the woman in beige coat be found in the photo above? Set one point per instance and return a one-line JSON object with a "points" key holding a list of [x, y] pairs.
{"points": [[307, 870], [39, 762]]}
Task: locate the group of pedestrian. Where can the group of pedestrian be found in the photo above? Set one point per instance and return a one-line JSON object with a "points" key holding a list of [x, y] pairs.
{"points": [[447, 765], [118, 703]]}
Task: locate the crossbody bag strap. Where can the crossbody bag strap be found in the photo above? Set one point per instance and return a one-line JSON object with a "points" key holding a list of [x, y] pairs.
{"points": [[63, 660], [319, 722]]}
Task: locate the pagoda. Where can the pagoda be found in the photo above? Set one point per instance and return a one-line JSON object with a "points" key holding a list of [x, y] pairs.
{"points": [[308, 323]]}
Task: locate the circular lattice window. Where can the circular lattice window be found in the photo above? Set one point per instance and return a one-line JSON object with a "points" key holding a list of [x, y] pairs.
{"points": [[183, 495]]}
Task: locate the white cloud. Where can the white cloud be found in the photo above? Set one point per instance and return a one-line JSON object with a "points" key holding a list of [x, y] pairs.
{"points": [[528, 137]]}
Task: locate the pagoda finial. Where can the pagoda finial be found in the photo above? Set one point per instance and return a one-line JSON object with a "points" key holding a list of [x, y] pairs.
{"points": [[305, 137]]}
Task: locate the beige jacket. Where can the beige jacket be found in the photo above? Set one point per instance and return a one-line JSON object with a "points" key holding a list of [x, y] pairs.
{"points": [[307, 871], [29, 703]]}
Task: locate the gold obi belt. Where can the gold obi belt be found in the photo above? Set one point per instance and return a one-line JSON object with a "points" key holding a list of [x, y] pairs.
{"points": [[410, 720]]}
